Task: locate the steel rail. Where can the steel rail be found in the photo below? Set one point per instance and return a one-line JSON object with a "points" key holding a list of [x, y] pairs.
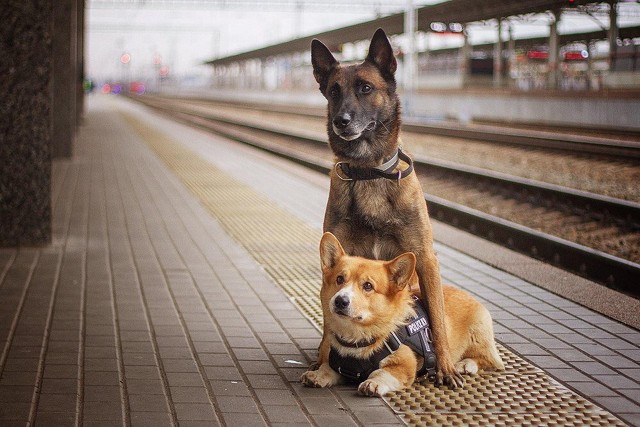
{"points": [[611, 271]]}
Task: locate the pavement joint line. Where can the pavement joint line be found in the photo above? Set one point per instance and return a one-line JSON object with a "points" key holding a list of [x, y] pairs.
{"points": [[174, 155]]}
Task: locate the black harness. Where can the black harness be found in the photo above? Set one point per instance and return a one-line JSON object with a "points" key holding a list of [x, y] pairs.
{"points": [[351, 173], [416, 334]]}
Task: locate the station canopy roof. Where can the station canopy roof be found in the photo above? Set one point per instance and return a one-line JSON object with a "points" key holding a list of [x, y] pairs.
{"points": [[460, 11]]}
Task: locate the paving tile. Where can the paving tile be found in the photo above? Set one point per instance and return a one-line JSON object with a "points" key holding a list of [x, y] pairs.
{"points": [[144, 359], [142, 372], [18, 378], [376, 416], [209, 347], [100, 393], [618, 404], [592, 389], [103, 411], [619, 383], [14, 411], [12, 393], [101, 378], [180, 365], [229, 388], [57, 385], [135, 386], [216, 359], [57, 402], [103, 364], [257, 367], [243, 419], [237, 404], [266, 381], [286, 414], [148, 403], [222, 373], [189, 395], [182, 379], [195, 412], [250, 354], [151, 419]]}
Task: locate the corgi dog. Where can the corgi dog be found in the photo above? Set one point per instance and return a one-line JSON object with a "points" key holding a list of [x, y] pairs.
{"points": [[378, 332]]}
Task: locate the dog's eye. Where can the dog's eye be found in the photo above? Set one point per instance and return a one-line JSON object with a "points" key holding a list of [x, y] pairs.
{"points": [[339, 280], [367, 286], [365, 88], [334, 92]]}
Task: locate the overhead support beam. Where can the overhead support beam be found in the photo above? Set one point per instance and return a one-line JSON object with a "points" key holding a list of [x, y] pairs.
{"points": [[450, 11]]}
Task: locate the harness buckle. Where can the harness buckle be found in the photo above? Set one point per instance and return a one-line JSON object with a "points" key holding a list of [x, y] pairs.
{"points": [[339, 166]]}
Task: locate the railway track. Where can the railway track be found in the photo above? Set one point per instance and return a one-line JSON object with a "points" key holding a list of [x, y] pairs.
{"points": [[614, 144], [595, 236]]}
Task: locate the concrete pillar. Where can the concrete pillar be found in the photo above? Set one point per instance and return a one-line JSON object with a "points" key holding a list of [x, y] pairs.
{"points": [[64, 77], [497, 58], [464, 59], [80, 61], [410, 55], [511, 54], [25, 123], [613, 33], [553, 51]]}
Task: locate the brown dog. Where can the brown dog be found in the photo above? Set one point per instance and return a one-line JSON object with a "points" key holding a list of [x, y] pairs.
{"points": [[370, 303], [376, 206]]}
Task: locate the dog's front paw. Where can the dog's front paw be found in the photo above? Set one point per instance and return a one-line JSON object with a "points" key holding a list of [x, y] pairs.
{"points": [[322, 377], [372, 388], [380, 382], [467, 366], [449, 377]]}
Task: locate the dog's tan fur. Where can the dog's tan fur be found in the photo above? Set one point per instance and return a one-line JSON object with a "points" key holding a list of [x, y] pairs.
{"points": [[375, 313], [381, 218]]}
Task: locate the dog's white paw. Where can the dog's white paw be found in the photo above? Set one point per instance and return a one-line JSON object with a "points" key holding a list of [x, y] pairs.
{"points": [[323, 377], [372, 388], [467, 366], [379, 383]]}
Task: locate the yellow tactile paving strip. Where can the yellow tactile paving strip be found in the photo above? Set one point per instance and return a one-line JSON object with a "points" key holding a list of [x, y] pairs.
{"points": [[287, 249]]}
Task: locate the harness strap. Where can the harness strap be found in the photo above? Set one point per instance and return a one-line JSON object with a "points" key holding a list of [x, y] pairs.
{"points": [[416, 334]]}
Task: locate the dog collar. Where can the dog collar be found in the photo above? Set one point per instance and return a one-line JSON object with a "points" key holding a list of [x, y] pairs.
{"points": [[357, 344], [351, 173]]}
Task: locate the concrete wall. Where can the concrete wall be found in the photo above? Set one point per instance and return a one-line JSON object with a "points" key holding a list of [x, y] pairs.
{"points": [[571, 109]]}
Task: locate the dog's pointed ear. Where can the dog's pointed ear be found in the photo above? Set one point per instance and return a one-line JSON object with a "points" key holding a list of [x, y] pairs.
{"points": [[323, 63], [330, 251], [381, 54], [401, 269]]}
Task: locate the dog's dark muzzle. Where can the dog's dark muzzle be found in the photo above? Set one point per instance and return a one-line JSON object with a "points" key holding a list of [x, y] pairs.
{"points": [[342, 120]]}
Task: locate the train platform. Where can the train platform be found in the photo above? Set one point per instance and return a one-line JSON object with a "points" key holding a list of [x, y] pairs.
{"points": [[181, 288]]}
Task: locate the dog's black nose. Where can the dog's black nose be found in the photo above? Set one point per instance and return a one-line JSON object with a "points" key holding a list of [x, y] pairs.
{"points": [[341, 121], [341, 302]]}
